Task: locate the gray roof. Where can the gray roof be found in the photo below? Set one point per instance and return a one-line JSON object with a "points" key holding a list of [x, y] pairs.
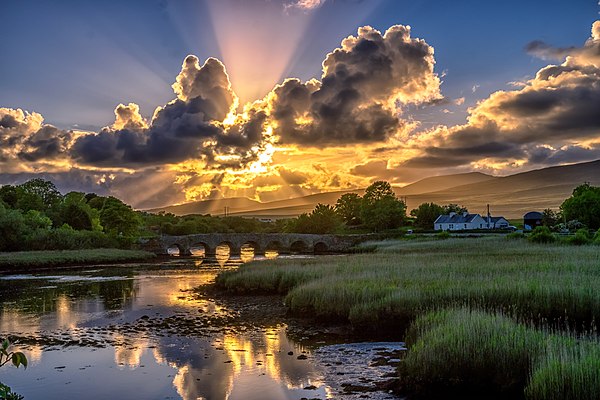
{"points": [[533, 215], [495, 219], [455, 219]]}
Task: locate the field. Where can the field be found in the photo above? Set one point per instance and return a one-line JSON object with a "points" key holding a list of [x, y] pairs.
{"points": [[535, 293], [46, 259]]}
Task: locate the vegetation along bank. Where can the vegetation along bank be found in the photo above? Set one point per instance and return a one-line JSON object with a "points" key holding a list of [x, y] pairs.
{"points": [[540, 292]]}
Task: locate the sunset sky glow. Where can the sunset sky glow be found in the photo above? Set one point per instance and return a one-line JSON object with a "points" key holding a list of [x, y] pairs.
{"points": [[165, 102]]}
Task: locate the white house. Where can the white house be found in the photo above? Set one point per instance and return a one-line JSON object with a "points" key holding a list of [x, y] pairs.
{"points": [[466, 221], [459, 222]]}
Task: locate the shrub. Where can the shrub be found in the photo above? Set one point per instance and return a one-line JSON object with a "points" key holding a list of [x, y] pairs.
{"points": [[597, 237], [515, 235], [541, 234], [443, 235], [581, 237]]}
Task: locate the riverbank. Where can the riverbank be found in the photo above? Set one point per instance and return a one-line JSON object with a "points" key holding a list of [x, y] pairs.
{"points": [[160, 325], [546, 289], [28, 261]]}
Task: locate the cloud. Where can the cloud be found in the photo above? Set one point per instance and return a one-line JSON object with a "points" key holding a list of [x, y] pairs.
{"points": [[589, 53], [305, 5], [364, 83], [189, 127], [557, 109], [128, 117], [24, 137], [358, 99]]}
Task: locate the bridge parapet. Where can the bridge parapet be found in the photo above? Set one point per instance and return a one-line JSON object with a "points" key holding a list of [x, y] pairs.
{"points": [[261, 242]]}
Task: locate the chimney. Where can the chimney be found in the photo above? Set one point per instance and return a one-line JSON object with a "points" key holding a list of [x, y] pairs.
{"points": [[452, 214]]}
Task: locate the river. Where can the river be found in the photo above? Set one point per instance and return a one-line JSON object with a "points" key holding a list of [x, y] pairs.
{"points": [[143, 332]]}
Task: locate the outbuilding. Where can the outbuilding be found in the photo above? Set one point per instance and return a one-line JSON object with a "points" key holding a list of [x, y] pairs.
{"points": [[531, 220]]}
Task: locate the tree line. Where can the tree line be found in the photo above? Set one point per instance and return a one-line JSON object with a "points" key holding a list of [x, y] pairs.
{"points": [[36, 216]]}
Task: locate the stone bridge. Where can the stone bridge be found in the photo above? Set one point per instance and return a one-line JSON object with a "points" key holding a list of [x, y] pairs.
{"points": [[281, 242]]}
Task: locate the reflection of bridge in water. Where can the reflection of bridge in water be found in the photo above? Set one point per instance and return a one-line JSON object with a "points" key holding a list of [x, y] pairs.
{"points": [[283, 243]]}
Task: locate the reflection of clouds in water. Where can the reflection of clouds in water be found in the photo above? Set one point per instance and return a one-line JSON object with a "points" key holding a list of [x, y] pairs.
{"points": [[230, 366], [234, 366], [130, 354]]}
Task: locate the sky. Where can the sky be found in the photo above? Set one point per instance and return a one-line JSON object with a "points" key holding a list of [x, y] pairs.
{"points": [[166, 102]]}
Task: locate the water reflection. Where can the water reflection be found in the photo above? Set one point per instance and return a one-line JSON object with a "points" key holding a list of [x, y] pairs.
{"points": [[227, 363]]}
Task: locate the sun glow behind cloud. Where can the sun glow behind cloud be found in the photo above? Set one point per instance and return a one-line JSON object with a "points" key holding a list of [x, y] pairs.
{"points": [[257, 39]]}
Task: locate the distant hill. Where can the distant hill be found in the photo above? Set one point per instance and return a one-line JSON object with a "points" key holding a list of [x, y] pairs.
{"points": [[442, 182], [213, 206], [510, 196]]}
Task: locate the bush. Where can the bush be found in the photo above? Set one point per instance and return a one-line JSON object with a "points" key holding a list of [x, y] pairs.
{"points": [[581, 237], [515, 235], [542, 234], [597, 237], [68, 239], [443, 235]]}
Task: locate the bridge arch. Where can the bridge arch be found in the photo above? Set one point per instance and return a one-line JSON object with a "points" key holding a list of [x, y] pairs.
{"points": [[254, 245], [175, 250], [299, 246], [234, 249], [201, 249], [321, 248]]}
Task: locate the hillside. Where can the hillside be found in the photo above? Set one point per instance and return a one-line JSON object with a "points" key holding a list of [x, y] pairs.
{"points": [[213, 206], [510, 196]]}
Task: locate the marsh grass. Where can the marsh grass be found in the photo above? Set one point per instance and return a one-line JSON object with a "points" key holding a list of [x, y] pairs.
{"points": [[467, 352], [552, 284], [56, 258]]}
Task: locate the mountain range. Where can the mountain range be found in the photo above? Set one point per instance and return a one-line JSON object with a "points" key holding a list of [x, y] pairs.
{"points": [[510, 196]]}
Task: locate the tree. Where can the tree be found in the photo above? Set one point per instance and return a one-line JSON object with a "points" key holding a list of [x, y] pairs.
{"points": [[323, 219], [455, 208], [77, 213], [9, 195], [12, 229], [583, 206], [549, 218], [44, 189], [116, 217], [426, 214], [380, 208], [348, 208]]}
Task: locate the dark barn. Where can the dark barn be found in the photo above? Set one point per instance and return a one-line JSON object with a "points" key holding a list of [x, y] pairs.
{"points": [[532, 219]]}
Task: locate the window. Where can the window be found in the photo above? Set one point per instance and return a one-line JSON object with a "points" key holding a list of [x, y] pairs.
{"points": [[465, 226]]}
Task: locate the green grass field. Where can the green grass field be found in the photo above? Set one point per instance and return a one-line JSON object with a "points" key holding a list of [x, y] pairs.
{"points": [[402, 279], [520, 308], [47, 259]]}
